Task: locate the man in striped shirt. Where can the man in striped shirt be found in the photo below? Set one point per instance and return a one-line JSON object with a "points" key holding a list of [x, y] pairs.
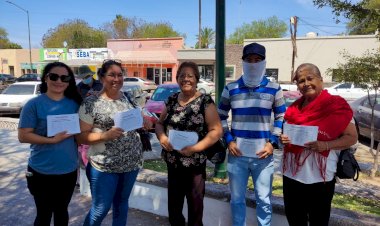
{"points": [[252, 99]]}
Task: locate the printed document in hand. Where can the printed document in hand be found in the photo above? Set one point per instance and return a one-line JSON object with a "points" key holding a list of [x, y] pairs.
{"points": [[299, 135], [60, 123], [129, 120], [181, 139]]}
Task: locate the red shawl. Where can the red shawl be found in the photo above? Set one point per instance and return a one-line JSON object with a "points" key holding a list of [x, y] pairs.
{"points": [[331, 114]]}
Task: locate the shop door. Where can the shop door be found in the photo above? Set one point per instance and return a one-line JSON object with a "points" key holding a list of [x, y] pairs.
{"points": [[160, 78]]}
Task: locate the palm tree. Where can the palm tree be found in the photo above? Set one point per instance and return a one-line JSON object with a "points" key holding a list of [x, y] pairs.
{"points": [[207, 38]]}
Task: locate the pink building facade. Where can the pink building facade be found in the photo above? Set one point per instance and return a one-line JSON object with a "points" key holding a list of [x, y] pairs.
{"points": [[152, 58]]}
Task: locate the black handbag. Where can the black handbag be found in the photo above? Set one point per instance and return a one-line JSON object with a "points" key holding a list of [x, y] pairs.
{"points": [[144, 135], [347, 167], [217, 152]]}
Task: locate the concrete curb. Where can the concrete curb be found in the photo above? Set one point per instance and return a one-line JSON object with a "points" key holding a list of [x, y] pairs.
{"points": [[221, 192]]}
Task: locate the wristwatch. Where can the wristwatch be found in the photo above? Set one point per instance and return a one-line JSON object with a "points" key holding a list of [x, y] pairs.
{"points": [[274, 144]]}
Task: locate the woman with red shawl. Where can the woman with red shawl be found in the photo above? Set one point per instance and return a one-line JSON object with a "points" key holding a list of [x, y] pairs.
{"points": [[309, 170]]}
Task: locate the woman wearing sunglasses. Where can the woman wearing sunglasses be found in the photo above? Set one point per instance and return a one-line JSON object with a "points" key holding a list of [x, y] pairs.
{"points": [[52, 164], [115, 156]]}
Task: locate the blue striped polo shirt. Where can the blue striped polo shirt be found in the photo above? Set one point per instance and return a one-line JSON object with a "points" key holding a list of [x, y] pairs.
{"points": [[251, 108]]}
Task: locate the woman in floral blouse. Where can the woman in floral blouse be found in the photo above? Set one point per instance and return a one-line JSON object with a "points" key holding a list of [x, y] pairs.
{"points": [[188, 110], [115, 156]]}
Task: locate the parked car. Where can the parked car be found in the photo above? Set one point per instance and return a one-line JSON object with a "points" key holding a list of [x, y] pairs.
{"points": [[362, 115], [289, 87], [146, 85], [348, 91], [205, 86], [290, 97], [13, 98], [29, 77], [157, 102], [6, 79], [136, 92]]}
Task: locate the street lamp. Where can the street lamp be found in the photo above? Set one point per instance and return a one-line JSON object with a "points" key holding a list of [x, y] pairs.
{"points": [[30, 50]]}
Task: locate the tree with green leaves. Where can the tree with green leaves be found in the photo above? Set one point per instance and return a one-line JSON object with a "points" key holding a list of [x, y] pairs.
{"points": [[122, 27], [4, 41], [364, 72], [207, 38], [156, 30], [269, 28], [77, 34], [364, 15]]}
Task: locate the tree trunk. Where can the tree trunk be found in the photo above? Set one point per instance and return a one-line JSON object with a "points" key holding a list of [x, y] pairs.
{"points": [[375, 161]]}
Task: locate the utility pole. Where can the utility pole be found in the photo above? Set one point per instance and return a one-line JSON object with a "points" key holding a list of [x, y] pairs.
{"points": [[293, 36], [30, 49], [220, 171], [200, 25]]}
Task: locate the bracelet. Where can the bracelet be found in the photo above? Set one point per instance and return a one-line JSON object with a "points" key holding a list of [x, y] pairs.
{"points": [[327, 145], [100, 136]]}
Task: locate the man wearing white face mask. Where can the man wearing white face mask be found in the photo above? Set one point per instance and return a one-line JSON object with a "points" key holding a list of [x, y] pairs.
{"points": [[88, 85], [252, 99]]}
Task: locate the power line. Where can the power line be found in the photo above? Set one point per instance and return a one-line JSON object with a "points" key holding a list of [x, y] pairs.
{"points": [[316, 27]]}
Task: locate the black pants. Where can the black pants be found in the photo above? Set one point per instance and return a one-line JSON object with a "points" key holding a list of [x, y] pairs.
{"points": [[52, 195], [190, 183], [308, 202]]}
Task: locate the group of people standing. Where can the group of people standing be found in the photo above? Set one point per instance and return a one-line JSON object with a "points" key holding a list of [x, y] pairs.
{"points": [[115, 156]]}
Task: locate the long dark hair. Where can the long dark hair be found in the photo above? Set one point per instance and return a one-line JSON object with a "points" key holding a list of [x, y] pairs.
{"points": [[71, 91]]}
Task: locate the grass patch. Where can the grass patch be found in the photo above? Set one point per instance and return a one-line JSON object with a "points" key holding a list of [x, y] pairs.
{"points": [[159, 165], [357, 204], [341, 201]]}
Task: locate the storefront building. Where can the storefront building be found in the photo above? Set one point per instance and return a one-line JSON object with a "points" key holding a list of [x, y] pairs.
{"points": [[17, 62], [153, 58]]}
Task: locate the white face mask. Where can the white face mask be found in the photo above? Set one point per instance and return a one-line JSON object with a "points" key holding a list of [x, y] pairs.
{"points": [[253, 73]]}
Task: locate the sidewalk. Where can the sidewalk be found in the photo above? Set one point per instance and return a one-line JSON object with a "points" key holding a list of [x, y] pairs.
{"points": [[17, 205]]}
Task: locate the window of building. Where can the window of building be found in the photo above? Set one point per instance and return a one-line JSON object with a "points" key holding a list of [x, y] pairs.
{"points": [[272, 73], [230, 71], [206, 72]]}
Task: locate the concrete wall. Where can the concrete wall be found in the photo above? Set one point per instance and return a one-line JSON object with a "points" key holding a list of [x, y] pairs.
{"points": [[321, 51], [233, 57], [15, 57]]}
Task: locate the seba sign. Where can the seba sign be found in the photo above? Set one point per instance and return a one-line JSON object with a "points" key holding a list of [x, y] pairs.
{"points": [[81, 54]]}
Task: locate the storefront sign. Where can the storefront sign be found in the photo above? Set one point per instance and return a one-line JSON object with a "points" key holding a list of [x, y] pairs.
{"points": [[80, 54], [88, 54], [53, 54]]}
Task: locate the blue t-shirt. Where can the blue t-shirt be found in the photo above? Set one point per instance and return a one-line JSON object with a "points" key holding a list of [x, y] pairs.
{"points": [[59, 158]]}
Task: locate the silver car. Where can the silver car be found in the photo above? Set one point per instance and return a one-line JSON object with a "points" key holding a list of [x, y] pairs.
{"points": [[136, 92], [146, 85], [362, 115]]}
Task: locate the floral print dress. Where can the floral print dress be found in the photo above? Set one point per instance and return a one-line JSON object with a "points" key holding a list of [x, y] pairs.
{"points": [[190, 117]]}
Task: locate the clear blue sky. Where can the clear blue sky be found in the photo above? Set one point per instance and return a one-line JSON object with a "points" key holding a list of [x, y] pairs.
{"points": [[182, 14]]}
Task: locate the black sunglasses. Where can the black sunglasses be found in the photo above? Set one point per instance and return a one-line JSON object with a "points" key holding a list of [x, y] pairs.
{"points": [[112, 61], [54, 77]]}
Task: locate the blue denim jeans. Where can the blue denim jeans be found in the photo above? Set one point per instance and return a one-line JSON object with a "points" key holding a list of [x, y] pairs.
{"points": [[261, 171], [109, 189]]}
